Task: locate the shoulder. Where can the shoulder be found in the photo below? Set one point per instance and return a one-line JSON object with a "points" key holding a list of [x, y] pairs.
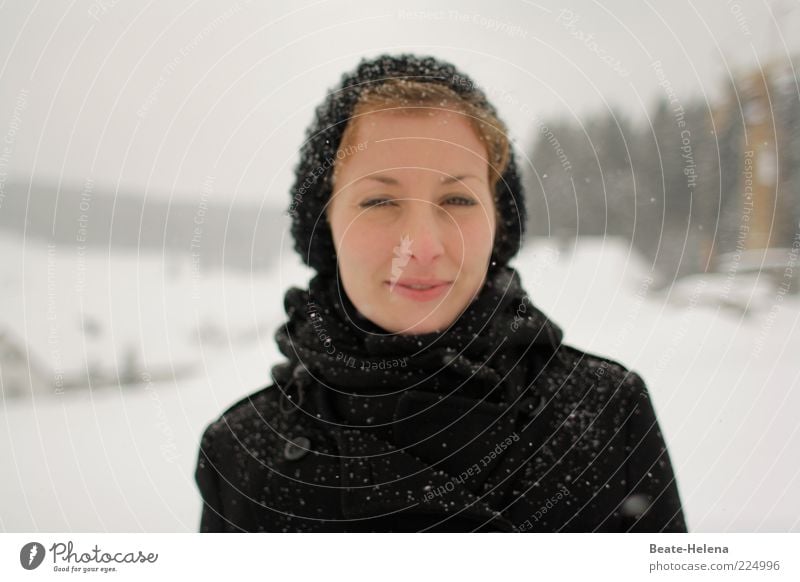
{"points": [[247, 416], [590, 394], [583, 371]]}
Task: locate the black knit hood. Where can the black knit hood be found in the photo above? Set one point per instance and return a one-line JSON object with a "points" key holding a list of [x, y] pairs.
{"points": [[314, 173]]}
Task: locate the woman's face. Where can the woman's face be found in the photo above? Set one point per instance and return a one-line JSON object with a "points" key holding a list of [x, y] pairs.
{"points": [[411, 203]]}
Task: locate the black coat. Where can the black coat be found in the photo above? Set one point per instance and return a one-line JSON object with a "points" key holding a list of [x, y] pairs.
{"points": [[589, 445]]}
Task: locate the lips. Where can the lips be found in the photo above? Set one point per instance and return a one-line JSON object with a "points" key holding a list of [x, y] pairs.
{"points": [[405, 287], [428, 290], [420, 283]]}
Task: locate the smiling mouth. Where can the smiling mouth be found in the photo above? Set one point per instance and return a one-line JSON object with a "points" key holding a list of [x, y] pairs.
{"points": [[418, 287], [419, 291], [419, 284]]}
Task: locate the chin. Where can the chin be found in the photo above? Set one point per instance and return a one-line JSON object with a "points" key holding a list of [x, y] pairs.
{"points": [[410, 329]]}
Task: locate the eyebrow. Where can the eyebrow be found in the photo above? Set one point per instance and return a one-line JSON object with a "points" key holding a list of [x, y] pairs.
{"points": [[393, 182]]}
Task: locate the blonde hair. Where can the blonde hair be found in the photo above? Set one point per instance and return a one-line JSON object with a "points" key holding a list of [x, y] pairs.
{"points": [[418, 97]]}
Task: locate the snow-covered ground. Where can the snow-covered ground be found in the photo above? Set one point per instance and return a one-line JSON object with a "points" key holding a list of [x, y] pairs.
{"points": [[122, 458]]}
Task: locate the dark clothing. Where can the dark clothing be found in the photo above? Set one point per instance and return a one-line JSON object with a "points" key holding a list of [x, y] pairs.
{"points": [[493, 425]]}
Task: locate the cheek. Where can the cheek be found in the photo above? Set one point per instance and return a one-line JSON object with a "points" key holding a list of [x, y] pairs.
{"points": [[478, 233], [359, 242]]}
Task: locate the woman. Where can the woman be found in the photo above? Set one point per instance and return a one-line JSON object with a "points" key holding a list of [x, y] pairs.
{"points": [[423, 390]]}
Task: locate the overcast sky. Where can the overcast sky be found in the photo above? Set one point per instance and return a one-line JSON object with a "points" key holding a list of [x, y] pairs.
{"points": [[164, 96]]}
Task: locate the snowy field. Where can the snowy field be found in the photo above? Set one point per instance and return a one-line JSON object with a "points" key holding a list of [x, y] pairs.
{"points": [[724, 383]]}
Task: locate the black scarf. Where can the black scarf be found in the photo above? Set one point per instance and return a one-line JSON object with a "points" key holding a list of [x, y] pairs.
{"points": [[420, 408], [483, 355]]}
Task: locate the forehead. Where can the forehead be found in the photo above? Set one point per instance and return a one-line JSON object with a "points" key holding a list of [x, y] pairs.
{"points": [[444, 141]]}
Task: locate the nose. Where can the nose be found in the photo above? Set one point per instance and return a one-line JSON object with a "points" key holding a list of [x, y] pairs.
{"points": [[425, 229]]}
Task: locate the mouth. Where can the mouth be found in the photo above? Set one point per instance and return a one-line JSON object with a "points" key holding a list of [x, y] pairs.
{"points": [[419, 289]]}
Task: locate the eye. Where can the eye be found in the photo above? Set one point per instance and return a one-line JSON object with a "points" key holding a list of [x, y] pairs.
{"points": [[372, 202], [456, 200], [462, 201]]}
